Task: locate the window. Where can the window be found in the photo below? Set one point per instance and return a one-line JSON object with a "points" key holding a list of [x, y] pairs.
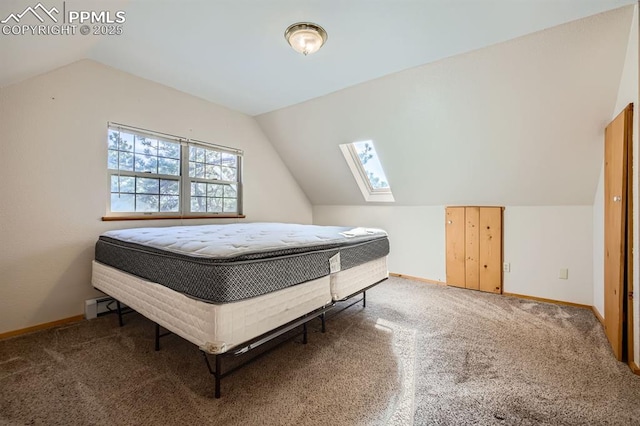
{"points": [[154, 174], [367, 170], [213, 180]]}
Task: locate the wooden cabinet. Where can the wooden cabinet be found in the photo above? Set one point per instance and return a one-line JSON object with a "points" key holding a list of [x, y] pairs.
{"points": [[474, 247]]}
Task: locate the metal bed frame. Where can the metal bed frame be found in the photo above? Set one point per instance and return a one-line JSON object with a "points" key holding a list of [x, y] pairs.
{"points": [[254, 343]]}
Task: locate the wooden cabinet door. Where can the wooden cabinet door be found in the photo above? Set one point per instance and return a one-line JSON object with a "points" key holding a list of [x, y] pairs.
{"points": [[491, 249], [472, 248], [455, 230]]}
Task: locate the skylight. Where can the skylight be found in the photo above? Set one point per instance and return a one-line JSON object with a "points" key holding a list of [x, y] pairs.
{"points": [[367, 170], [371, 164]]}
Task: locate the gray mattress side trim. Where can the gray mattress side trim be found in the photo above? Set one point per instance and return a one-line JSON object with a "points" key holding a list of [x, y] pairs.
{"points": [[215, 281]]}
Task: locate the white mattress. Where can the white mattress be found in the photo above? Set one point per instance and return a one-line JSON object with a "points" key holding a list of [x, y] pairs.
{"points": [[214, 328], [345, 283], [239, 239]]}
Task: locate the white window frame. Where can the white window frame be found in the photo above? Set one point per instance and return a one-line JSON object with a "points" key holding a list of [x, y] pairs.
{"points": [[183, 178], [370, 194]]}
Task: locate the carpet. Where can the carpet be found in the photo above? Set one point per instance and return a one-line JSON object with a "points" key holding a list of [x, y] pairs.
{"points": [[417, 354]]}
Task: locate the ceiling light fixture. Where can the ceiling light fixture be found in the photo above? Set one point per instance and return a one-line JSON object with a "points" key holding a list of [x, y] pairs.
{"points": [[305, 37]]}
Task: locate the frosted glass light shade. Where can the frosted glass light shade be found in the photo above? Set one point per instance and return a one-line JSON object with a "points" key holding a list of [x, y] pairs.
{"points": [[305, 37]]}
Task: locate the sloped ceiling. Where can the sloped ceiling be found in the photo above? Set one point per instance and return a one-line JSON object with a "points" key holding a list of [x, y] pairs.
{"points": [[232, 52], [517, 123], [472, 119]]}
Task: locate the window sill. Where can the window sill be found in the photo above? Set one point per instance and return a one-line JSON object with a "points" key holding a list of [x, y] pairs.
{"points": [[159, 217]]}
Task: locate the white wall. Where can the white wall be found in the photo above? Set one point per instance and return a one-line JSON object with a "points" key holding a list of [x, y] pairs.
{"points": [[54, 184], [416, 234], [538, 242]]}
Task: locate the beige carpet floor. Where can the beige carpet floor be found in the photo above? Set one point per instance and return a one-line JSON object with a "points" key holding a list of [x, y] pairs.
{"points": [[417, 354]]}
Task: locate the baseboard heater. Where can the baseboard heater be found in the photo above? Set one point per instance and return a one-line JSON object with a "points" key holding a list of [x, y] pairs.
{"points": [[94, 308]]}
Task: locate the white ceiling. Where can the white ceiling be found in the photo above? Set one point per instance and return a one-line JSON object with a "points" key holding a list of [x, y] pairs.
{"points": [[232, 52], [517, 123]]}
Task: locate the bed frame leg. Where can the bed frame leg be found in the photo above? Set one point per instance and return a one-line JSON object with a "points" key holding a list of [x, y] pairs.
{"points": [[304, 333], [119, 308], [157, 348], [217, 374], [364, 299], [324, 326]]}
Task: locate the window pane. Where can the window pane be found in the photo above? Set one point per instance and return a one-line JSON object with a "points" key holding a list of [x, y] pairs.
{"points": [[126, 161], [229, 160], [169, 149], [126, 142], [228, 174], [146, 163], [196, 170], [112, 161], [198, 204], [230, 191], [371, 164], [230, 205], [169, 203], [127, 184], [214, 205], [122, 184], [167, 166], [169, 187], [122, 202], [196, 154], [212, 157], [214, 190], [212, 172], [146, 146], [113, 139], [147, 203], [198, 189], [120, 140], [199, 170], [147, 186]]}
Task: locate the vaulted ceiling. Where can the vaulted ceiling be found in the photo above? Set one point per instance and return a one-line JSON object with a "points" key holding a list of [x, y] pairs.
{"points": [[467, 101], [517, 123], [232, 52]]}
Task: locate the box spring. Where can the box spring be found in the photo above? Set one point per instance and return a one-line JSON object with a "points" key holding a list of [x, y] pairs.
{"points": [[215, 328], [346, 283]]}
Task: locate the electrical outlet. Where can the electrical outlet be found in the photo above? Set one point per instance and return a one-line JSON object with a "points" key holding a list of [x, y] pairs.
{"points": [[564, 274], [506, 267]]}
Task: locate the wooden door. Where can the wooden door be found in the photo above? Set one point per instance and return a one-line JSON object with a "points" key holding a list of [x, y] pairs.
{"points": [[455, 229], [472, 248], [491, 249], [616, 174]]}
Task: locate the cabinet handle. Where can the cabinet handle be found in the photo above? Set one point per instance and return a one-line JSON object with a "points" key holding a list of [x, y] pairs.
{"points": [[617, 198]]}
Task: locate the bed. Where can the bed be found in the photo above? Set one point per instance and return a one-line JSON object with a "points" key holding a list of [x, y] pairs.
{"points": [[222, 286]]}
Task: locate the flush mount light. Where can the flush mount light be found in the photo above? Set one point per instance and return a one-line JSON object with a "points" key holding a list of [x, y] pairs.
{"points": [[305, 37]]}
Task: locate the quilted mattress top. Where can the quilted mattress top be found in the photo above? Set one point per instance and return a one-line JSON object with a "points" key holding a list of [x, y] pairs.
{"points": [[239, 239]]}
